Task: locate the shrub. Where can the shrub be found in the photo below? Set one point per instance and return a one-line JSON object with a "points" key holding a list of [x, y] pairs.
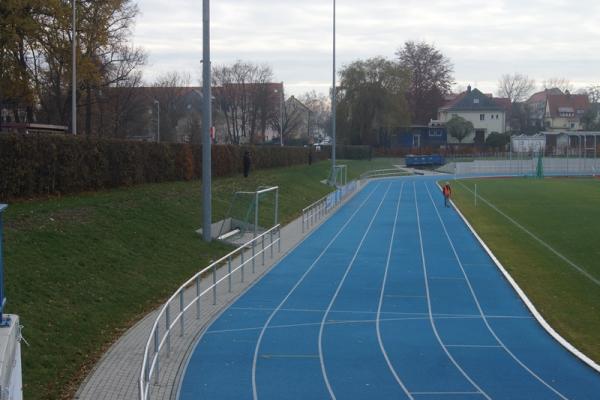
{"points": [[33, 165]]}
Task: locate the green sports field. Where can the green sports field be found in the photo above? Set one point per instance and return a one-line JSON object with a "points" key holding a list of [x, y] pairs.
{"points": [[546, 233]]}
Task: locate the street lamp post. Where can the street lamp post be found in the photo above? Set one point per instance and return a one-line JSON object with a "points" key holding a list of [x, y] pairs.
{"points": [[74, 71], [333, 107], [206, 124], [157, 105], [281, 116]]}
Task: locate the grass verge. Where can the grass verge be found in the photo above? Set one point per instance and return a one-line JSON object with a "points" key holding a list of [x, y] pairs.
{"points": [[82, 269], [564, 214]]}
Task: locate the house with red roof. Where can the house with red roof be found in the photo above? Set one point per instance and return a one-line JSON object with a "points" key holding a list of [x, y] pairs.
{"points": [[564, 111]]}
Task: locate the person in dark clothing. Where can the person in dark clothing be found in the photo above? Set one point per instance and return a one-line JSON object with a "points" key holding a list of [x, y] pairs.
{"points": [[309, 156], [247, 162], [447, 192]]}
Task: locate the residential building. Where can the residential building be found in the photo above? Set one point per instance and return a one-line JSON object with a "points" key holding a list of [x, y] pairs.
{"points": [[485, 113], [564, 111], [536, 107]]}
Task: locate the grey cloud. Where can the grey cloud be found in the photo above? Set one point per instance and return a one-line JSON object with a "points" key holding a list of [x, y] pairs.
{"points": [[541, 38]]}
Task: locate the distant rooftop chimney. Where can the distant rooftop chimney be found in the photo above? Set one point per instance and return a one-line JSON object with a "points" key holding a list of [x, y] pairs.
{"points": [[469, 89]]}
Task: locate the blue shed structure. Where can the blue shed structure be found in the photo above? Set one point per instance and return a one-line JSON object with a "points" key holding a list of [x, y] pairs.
{"points": [[416, 137]]}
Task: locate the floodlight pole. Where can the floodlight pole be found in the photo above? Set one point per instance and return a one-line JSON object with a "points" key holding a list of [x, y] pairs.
{"points": [[4, 322], [74, 71], [206, 124], [333, 107]]}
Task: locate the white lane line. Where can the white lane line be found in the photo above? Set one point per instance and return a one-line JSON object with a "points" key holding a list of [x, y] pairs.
{"points": [[490, 329], [436, 316], [293, 289], [433, 326], [330, 322], [381, 295], [442, 393], [536, 238], [483, 346], [337, 291]]}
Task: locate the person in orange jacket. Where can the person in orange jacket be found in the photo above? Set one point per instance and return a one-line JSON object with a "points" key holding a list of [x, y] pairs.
{"points": [[447, 192]]}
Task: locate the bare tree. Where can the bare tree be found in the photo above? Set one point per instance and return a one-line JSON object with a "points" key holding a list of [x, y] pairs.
{"points": [[561, 83], [593, 93], [516, 87], [430, 78], [244, 98], [171, 91]]}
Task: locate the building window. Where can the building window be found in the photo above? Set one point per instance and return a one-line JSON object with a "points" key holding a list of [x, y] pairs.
{"points": [[482, 117], [476, 101]]}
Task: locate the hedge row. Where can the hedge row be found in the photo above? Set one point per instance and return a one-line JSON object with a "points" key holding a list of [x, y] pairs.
{"points": [[33, 165]]}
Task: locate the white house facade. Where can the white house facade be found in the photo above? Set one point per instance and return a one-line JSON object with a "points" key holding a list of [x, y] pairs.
{"points": [[486, 115]]}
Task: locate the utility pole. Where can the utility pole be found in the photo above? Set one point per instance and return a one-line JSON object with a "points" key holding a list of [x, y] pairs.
{"points": [[333, 107], [206, 124], [74, 71]]}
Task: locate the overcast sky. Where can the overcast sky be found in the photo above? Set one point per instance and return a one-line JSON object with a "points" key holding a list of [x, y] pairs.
{"points": [[540, 38]]}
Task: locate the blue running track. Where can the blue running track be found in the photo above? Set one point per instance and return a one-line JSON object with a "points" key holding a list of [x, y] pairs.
{"points": [[391, 298]]}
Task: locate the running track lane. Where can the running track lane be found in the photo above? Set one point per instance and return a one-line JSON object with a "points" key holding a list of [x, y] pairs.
{"points": [[391, 298]]}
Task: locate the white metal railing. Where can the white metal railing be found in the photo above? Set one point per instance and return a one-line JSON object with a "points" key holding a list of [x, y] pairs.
{"points": [[158, 337], [381, 173], [320, 208]]}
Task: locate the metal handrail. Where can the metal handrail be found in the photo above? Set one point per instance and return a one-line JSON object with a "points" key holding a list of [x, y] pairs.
{"points": [[317, 210], [156, 342], [380, 173]]}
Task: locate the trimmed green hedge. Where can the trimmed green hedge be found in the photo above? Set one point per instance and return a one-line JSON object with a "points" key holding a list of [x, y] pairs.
{"points": [[33, 165]]}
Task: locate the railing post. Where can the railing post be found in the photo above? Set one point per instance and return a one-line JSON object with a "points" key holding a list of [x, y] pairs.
{"points": [[271, 234], [263, 250], [198, 297], [156, 349], [303, 221], [214, 275], [253, 253], [181, 318], [279, 241], [229, 272], [167, 327], [242, 264]]}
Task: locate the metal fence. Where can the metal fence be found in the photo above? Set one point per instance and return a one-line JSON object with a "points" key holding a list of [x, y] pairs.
{"points": [[173, 313], [381, 173], [559, 166], [314, 213]]}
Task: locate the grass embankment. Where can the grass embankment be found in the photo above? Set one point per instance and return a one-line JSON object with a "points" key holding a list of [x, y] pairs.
{"points": [[82, 269], [564, 213]]}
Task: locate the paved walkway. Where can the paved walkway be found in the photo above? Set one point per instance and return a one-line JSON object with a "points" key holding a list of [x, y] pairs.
{"points": [[116, 375]]}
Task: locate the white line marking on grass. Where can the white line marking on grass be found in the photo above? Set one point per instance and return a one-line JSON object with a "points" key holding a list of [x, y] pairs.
{"points": [[262, 332], [485, 321], [323, 369], [435, 331], [381, 295], [540, 241]]}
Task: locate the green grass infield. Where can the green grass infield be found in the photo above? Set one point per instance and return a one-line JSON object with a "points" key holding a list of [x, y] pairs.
{"points": [[557, 262]]}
